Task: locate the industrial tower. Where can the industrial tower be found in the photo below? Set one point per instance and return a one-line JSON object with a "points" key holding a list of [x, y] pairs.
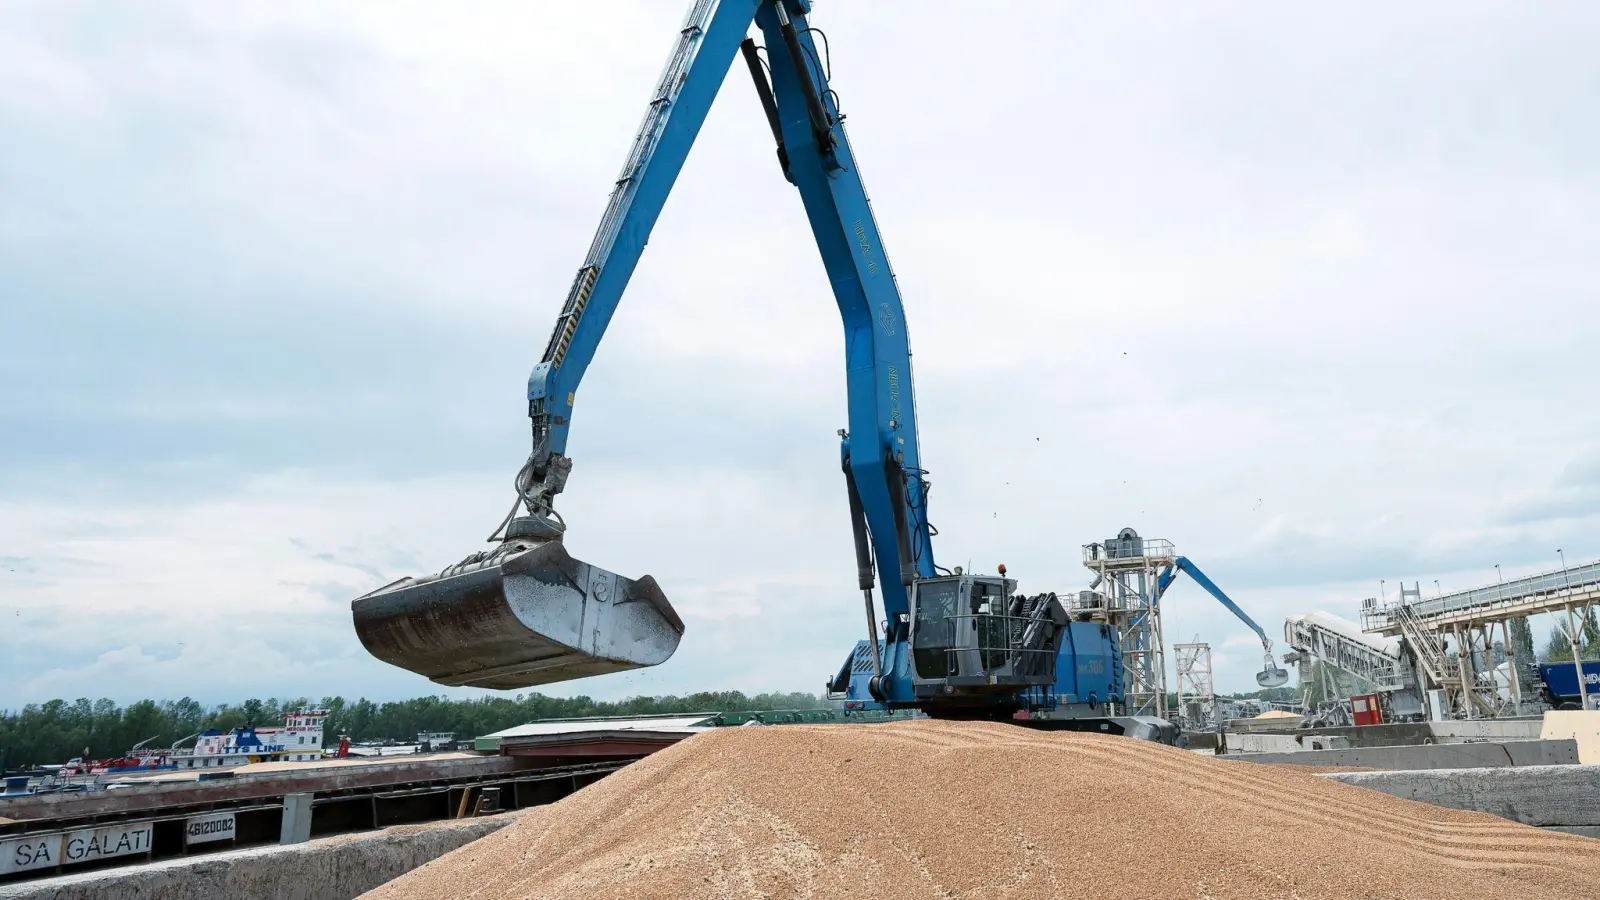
{"points": [[1127, 569]]}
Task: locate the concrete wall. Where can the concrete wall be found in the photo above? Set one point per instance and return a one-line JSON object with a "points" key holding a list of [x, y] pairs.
{"points": [[1565, 796], [1366, 735], [1487, 754], [335, 868], [1282, 743], [1261, 743], [1492, 729], [1436, 732], [1289, 739]]}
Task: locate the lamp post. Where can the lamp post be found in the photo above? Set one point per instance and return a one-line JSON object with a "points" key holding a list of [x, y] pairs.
{"points": [[1437, 589]]}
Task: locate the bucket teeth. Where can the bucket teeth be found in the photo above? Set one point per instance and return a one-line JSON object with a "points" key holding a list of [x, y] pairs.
{"points": [[534, 616]]}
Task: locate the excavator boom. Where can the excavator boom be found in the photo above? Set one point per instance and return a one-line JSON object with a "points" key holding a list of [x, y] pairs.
{"points": [[526, 612], [1271, 674]]}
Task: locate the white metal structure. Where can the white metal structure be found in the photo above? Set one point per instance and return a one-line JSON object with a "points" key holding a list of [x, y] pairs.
{"points": [[1452, 637], [1123, 593], [1552, 591], [1197, 700], [1342, 645]]}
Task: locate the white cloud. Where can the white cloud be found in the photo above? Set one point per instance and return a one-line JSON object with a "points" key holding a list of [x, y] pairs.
{"points": [[1311, 298]]}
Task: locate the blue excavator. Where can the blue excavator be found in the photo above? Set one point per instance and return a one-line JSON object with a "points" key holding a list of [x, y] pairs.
{"points": [[524, 612]]}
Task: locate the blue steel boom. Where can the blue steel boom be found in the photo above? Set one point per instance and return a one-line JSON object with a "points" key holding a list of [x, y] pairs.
{"points": [[525, 613], [818, 161], [1270, 675]]}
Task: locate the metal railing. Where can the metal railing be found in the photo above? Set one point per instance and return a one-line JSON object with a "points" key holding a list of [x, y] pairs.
{"points": [[1086, 600], [1000, 645], [1387, 615], [1128, 548], [1390, 677], [1424, 642]]}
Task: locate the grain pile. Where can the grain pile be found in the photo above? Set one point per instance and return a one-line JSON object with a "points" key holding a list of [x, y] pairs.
{"points": [[947, 810]]}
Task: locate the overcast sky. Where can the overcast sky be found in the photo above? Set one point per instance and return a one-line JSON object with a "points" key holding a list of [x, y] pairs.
{"points": [[1309, 291]]}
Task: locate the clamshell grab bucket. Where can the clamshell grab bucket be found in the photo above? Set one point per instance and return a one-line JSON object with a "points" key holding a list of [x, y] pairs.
{"points": [[530, 616], [1271, 676]]}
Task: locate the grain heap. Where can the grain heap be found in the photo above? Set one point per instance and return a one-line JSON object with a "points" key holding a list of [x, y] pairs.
{"points": [[942, 810]]}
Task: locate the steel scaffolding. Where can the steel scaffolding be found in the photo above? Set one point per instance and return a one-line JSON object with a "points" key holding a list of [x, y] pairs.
{"points": [[1123, 594], [1453, 637], [1197, 700]]}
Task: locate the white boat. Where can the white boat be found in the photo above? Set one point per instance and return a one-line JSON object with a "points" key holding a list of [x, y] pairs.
{"points": [[299, 739]]}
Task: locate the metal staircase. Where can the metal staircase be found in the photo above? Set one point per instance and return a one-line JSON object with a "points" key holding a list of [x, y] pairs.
{"points": [[1427, 647]]}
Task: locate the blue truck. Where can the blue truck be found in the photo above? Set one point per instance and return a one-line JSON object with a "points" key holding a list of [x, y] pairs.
{"points": [[1561, 682]]}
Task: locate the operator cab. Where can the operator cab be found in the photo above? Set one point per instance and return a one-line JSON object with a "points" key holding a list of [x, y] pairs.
{"points": [[974, 632]]}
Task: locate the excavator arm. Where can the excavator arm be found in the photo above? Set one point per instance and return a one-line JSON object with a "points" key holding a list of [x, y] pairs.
{"points": [[1271, 675], [525, 612], [701, 54]]}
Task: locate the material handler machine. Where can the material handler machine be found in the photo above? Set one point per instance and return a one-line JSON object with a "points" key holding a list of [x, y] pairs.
{"points": [[524, 612]]}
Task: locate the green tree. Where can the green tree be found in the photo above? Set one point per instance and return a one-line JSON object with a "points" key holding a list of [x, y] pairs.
{"points": [[1559, 647], [1522, 641], [56, 730]]}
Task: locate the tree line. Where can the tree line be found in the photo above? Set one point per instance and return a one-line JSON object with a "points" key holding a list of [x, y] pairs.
{"points": [[1559, 647], [58, 730]]}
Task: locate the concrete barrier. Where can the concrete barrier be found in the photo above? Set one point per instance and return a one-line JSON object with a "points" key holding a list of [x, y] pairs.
{"points": [[1525, 729], [1403, 733], [1486, 754], [1582, 725], [1548, 796], [1283, 743], [334, 868]]}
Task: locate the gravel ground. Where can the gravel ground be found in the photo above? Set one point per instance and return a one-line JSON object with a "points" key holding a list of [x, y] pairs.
{"points": [[956, 810]]}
